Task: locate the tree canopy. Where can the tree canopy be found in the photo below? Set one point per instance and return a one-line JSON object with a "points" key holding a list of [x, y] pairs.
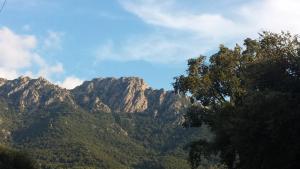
{"points": [[249, 96], [12, 159]]}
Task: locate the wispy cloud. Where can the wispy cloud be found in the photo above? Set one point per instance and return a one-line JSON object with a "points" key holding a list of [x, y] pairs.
{"points": [[70, 82], [19, 56], [19, 53], [158, 48], [198, 31], [53, 41], [169, 15], [274, 15], [16, 51]]}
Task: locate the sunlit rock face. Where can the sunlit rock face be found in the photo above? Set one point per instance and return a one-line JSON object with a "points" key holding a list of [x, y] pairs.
{"points": [[26, 93], [125, 95], [118, 95]]}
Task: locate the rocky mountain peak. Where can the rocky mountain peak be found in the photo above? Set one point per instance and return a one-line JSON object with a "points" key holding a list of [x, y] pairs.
{"points": [[2, 81], [131, 82], [125, 94], [24, 79], [135, 82], [24, 93]]}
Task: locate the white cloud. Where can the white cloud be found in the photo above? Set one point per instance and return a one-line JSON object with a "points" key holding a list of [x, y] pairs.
{"points": [[18, 55], [16, 51], [199, 32], [53, 40], [249, 17], [70, 82], [169, 15], [273, 15], [8, 73], [48, 70], [157, 48]]}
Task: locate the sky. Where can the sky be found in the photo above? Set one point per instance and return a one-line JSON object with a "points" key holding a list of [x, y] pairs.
{"points": [[69, 41]]}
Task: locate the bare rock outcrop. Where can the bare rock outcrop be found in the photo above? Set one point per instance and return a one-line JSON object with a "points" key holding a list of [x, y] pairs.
{"points": [[118, 95], [26, 93], [127, 95]]}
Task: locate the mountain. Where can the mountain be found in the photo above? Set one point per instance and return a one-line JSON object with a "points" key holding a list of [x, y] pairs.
{"points": [[28, 94], [111, 123], [126, 95]]}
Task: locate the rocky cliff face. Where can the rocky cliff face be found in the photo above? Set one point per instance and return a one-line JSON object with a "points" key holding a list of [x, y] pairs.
{"points": [[119, 95], [126, 94], [25, 93]]}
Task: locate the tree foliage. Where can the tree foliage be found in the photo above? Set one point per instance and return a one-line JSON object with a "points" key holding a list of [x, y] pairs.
{"points": [[11, 159], [250, 98]]}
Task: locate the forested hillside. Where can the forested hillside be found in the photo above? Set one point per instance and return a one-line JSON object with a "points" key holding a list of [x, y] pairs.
{"points": [[105, 123]]}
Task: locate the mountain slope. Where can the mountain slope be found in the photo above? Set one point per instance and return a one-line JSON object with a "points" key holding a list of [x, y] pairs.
{"points": [[104, 123]]}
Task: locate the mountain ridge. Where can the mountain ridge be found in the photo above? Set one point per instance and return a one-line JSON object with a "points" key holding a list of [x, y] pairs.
{"points": [[124, 94], [104, 123]]}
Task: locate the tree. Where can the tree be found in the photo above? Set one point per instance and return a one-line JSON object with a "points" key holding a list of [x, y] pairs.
{"points": [[250, 99], [11, 159]]}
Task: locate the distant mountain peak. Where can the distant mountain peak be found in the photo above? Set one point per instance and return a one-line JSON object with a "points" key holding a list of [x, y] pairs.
{"points": [[25, 93], [2, 81], [24, 78], [125, 80], [124, 95]]}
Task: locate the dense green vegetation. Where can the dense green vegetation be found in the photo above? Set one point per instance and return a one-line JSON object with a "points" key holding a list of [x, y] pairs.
{"points": [[250, 98], [12, 159], [63, 136]]}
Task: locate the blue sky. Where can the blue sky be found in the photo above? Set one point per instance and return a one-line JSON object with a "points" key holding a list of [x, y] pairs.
{"points": [[70, 41]]}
